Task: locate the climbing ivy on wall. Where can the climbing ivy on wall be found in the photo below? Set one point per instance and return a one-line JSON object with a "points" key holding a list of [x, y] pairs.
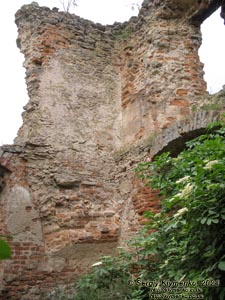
{"points": [[185, 242]]}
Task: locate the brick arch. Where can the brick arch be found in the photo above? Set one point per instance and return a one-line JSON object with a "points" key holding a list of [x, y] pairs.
{"points": [[173, 138]]}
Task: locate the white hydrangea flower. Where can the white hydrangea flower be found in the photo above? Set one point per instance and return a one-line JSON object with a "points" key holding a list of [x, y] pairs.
{"points": [[186, 191], [205, 161], [166, 262], [177, 195], [181, 212], [183, 179], [210, 164], [98, 263]]}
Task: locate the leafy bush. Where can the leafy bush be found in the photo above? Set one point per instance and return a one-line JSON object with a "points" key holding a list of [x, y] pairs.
{"points": [[108, 280], [189, 237]]}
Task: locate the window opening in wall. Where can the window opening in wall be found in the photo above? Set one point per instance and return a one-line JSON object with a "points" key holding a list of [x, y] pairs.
{"points": [[212, 51]]}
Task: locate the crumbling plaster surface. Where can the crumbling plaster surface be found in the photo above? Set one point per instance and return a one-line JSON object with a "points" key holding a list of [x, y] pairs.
{"points": [[102, 99], [22, 219]]}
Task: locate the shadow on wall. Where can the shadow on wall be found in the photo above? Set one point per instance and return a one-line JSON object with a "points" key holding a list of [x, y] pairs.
{"points": [[4, 172]]}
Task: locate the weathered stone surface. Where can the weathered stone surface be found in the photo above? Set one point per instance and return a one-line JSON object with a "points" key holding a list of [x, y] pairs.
{"points": [[102, 99], [67, 181], [22, 219]]}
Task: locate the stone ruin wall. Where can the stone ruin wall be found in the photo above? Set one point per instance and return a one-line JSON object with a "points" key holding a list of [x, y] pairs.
{"points": [[102, 99]]}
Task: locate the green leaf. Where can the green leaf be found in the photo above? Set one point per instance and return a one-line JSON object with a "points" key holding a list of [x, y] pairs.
{"points": [[221, 265], [203, 220], [216, 221], [5, 251], [209, 221]]}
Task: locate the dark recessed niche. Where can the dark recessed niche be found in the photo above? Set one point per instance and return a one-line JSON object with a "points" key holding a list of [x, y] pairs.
{"points": [[4, 173]]}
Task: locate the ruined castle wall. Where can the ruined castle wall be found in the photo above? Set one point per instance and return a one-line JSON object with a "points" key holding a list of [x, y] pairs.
{"points": [[162, 73], [72, 121], [102, 99], [70, 208]]}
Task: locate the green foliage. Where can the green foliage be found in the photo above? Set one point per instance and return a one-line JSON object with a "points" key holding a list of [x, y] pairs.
{"points": [[189, 240], [108, 280], [5, 251]]}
